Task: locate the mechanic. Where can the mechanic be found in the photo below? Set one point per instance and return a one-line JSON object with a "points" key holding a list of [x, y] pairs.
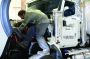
{"points": [[41, 22]]}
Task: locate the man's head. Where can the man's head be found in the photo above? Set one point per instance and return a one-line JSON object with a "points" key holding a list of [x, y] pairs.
{"points": [[21, 14]]}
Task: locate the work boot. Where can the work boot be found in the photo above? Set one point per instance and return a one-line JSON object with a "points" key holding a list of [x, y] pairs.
{"points": [[36, 56], [44, 52], [39, 55]]}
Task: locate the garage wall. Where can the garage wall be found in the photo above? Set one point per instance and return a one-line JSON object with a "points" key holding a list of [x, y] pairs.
{"points": [[15, 6]]}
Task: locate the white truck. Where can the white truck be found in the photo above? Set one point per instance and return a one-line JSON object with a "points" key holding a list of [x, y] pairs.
{"points": [[71, 40]]}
